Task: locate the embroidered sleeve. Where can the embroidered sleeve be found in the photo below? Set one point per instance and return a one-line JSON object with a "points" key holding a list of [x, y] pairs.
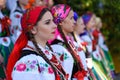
{"points": [[65, 58]]}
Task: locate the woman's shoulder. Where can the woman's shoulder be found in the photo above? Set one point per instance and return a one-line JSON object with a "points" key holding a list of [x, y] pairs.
{"points": [[28, 62], [31, 66]]}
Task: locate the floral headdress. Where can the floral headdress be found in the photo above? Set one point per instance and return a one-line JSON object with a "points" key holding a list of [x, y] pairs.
{"points": [[60, 12]]}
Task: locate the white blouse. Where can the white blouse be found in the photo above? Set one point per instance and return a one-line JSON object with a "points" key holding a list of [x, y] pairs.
{"points": [[33, 67]]}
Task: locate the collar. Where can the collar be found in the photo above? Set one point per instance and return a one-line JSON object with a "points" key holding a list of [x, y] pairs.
{"points": [[46, 50]]}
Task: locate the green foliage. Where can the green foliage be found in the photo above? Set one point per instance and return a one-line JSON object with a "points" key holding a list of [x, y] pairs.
{"points": [[109, 11]]}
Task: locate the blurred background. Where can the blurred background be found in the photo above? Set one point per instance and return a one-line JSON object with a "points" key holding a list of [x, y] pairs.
{"points": [[109, 11]]}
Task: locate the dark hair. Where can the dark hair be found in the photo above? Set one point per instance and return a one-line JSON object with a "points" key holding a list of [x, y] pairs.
{"points": [[39, 51], [39, 18], [68, 46], [41, 14], [22, 42]]}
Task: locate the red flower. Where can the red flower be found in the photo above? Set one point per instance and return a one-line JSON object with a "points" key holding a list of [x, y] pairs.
{"points": [[62, 57], [4, 39], [5, 22], [17, 16], [79, 49], [84, 43], [50, 70], [47, 52], [21, 67], [57, 77], [80, 75]]}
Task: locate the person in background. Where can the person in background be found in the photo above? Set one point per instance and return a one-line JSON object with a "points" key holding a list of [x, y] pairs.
{"points": [[64, 45], [50, 3], [6, 44], [15, 16], [101, 42], [98, 69], [32, 57], [79, 29]]}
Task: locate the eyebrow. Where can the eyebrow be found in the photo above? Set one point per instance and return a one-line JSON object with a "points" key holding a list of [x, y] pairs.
{"points": [[47, 20]]}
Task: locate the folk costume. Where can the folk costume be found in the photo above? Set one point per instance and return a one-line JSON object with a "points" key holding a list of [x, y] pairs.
{"points": [[25, 61], [106, 54], [70, 61], [15, 16], [93, 50], [6, 44]]}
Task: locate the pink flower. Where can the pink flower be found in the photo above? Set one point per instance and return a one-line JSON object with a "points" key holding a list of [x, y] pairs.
{"points": [[47, 52], [21, 67], [50, 70]]}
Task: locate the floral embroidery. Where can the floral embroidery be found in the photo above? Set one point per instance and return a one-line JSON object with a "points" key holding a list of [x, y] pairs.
{"points": [[27, 66], [47, 52], [50, 70], [46, 68], [21, 67], [42, 69], [63, 56], [5, 40], [17, 16]]}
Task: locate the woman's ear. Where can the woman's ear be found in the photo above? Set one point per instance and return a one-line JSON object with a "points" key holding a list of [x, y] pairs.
{"points": [[34, 30]]}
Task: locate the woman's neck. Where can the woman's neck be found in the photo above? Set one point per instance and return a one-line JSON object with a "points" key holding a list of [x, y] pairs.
{"points": [[41, 42], [65, 33]]}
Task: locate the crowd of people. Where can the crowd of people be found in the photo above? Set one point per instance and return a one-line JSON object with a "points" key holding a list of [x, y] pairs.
{"points": [[43, 41]]}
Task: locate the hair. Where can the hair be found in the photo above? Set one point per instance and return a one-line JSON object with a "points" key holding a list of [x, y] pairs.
{"points": [[21, 43], [68, 46], [31, 38], [41, 53], [98, 20]]}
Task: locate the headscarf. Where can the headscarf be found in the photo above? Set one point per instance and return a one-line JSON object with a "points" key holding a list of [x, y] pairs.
{"points": [[75, 16], [86, 17], [60, 12], [28, 20]]}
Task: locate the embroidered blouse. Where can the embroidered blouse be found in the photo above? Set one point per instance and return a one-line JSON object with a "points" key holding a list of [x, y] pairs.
{"points": [[33, 67]]}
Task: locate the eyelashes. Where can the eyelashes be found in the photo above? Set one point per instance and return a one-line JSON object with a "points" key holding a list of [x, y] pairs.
{"points": [[48, 22]]}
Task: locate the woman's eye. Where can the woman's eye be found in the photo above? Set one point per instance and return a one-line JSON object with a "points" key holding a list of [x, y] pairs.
{"points": [[47, 22], [71, 17]]}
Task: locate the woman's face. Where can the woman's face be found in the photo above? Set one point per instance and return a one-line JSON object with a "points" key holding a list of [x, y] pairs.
{"points": [[91, 24], [79, 28], [2, 3], [40, 3], [50, 3], [23, 2], [45, 28], [68, 24]]}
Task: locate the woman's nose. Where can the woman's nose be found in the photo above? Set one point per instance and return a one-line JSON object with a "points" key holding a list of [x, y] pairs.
{"points": [[54, 25]]}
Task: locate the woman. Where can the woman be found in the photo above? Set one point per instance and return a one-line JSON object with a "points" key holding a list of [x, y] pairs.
{"points": [[101, 42], [64, 44], [32, 58], [92, 47], [15, 16]]}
